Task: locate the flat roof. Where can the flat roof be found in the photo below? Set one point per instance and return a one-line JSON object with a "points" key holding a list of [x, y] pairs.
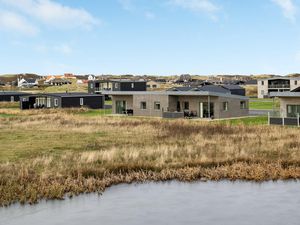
{"points": [[285, 94], [12, 93], [175, 93], [66, 95], [121, 81], [280, 78]]}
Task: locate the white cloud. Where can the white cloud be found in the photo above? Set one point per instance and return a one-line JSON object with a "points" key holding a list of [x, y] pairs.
{"points": [[11, 21], [53, 13], [198, 6], [288, 8]]}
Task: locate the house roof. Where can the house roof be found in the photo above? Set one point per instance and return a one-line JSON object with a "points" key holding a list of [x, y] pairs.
{"points": [[214, 88], [67, 95], [280, 78], [210, 88], [251, 82], [285, 94], [12, 93], [175, 93], [119, 81], [30, 80], [233, 87], [296, 89]]}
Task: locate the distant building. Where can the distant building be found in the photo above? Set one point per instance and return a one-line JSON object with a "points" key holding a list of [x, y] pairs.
{"points": [[179, 103], [91, 77], [62, 100], [27, 82], [276, 84], [97, 86], [9, 96], [153, 84], [58, 82]]}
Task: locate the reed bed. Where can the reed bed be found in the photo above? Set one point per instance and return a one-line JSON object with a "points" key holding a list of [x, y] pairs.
{"points": [[53, 154]]}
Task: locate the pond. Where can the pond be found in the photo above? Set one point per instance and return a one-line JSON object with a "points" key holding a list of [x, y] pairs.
{"points": [[173, 203]]}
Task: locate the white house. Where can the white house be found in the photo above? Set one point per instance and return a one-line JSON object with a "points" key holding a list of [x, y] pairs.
{"points": [[27, 82]]}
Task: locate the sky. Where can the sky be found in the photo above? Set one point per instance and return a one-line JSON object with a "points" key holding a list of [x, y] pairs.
{"points": [[157, 37]]}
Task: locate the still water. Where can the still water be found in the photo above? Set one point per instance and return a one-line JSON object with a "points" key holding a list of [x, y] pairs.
{"points": [[173, 203]]}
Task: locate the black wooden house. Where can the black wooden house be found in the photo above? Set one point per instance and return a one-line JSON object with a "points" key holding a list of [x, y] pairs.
{"points": [[9, 96], [62, 100]]}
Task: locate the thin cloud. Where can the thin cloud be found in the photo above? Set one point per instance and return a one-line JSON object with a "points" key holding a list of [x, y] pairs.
{"points": [[198, 6], [288, 8], [127, 5], [53, 13], [10, 21]]}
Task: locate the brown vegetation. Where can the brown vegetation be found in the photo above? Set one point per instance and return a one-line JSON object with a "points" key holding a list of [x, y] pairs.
{"points": [[51, 154]]}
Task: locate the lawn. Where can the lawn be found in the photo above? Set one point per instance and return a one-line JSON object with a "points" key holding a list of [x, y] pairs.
{"points": [[263, 104], [259, 120], [96, 112]]}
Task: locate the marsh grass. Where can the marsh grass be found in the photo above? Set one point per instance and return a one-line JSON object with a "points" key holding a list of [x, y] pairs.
{"points": [[53, 153]]}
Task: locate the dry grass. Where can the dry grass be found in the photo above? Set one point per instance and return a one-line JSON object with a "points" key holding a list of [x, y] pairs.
{"points": [[47, 155], [251, 91]]}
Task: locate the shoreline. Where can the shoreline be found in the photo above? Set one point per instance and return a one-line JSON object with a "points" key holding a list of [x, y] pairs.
{"points": [[59, 188]]}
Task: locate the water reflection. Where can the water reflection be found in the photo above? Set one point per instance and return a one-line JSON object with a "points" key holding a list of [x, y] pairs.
{"points": [[169, 203]]}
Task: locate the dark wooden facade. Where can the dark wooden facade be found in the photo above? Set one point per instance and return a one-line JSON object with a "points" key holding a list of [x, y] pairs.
{"points": [[62, 100]]}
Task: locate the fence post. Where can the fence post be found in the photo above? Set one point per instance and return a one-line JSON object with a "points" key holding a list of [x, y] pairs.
{"points": [[269, 118]]}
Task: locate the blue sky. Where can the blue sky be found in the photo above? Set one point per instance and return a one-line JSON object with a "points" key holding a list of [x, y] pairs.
{"points": [[160, 37]]}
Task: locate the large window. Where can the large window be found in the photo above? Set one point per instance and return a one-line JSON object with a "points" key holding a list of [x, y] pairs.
{"points": [[293, 110], [262, 83], [186, 106], [225, 106], [143, 105], [157, 105], [243, 105]]}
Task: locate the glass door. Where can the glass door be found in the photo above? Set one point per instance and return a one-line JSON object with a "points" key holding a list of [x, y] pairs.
{"points": [[293, 110], [205, 111], [120, 107]]}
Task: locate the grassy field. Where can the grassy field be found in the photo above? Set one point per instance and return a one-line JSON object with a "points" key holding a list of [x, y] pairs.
{"points": [[48, 154], [258, 120], [263, 104]]}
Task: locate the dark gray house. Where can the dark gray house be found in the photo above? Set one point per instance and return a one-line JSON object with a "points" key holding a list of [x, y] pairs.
{"points": [[9, 96], [97, 86], [235, 89], [62, 100]]}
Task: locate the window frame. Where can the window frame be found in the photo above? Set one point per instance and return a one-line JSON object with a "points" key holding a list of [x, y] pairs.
{"points": [[142, 104], [186, 103], [157, 103], [243, 105], [225, 106]]}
